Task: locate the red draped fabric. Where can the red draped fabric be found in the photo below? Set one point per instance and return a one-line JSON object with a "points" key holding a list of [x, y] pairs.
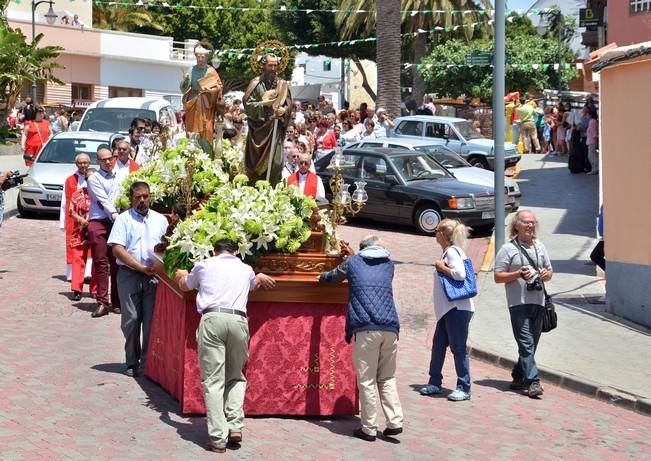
{"points": [[298, 362]]}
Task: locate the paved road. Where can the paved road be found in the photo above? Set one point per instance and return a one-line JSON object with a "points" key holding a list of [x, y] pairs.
{"points": [[64, 398], [590, 345]]}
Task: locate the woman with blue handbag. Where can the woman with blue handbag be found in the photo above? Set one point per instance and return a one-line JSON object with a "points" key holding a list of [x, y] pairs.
{"points": [[454, 286]]}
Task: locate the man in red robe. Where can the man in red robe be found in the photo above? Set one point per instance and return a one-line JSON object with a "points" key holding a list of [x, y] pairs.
{"points": [[73, 182], [308, 182]]}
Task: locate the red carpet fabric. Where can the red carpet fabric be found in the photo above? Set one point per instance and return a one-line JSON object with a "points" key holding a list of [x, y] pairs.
{"points": [[298, 362]]}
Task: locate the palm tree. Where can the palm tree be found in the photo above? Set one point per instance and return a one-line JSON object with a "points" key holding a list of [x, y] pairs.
{"points": [[352, 24], [388, 56], [113, 17], [22, 62]]}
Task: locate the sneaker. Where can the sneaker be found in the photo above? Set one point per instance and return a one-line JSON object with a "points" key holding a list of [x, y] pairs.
{"points": [[535, 389], [360, 434], [132, 372], [430, 389], [458, 396], [517, 385]]}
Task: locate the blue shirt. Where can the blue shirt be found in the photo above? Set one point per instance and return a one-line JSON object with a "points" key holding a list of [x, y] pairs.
{"points": [[138, 234], [103, 189]]}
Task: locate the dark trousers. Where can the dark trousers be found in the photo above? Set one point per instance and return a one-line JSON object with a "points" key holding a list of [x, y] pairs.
{"points": [[104, 262], [451, 330], [526, 322], [597, 256], [137, 297]]}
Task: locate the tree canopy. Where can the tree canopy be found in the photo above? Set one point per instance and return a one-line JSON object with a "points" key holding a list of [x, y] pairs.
{"points": [[445, 72]]}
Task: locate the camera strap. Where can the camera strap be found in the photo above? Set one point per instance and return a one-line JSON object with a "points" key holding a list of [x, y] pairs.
{"points": [[524, 252], [535, 266]]}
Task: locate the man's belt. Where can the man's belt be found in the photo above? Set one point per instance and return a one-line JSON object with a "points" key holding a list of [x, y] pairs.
{"points": [[223, 309]]}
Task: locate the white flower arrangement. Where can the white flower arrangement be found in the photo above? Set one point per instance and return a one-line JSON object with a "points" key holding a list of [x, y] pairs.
{"points": [[165, 172], [258, 219]]}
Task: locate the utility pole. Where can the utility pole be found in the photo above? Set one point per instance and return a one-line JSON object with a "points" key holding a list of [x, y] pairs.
{"points": [[499, 62], [559, 18]]}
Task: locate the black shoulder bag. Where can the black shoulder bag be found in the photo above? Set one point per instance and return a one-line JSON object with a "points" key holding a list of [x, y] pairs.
{"points": [[550, 319]]}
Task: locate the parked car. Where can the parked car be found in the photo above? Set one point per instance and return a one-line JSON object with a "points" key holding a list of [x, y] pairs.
{"points": [[41, 191], [411, 188], [115, 115], [454, 163], [457, 134]]}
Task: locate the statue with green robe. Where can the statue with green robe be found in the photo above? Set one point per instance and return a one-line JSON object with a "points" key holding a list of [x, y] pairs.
{"points": [[267, 103]]}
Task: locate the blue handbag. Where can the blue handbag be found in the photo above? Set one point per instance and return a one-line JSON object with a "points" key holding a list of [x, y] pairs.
{"points": [[460, 289]]}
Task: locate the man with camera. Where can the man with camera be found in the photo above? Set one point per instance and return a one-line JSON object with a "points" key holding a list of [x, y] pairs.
{"points": [[523, 265], [8, 179]]}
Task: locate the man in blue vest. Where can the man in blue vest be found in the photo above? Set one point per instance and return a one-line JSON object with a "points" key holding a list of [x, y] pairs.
{"points": [[372, 321]]}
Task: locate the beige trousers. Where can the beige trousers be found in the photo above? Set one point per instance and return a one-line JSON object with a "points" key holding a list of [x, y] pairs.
{"points": [[530, 134], [223, 347], [374, 357]]}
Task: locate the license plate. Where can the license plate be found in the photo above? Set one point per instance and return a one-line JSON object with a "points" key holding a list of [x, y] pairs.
{"points": [[488, 215], [53, 197]]}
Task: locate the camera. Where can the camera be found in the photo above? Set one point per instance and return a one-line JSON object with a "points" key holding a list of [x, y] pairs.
{"points": [[14, 180], [533, 283]]}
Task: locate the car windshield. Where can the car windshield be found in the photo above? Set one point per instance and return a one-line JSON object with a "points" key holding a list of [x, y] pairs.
{"points": [[113, 119], [65, 150], [445, 157], [417, 166], [466, 130]]}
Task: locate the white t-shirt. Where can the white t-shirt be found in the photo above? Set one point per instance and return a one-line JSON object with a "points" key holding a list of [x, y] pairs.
{"points": [[223, 281]]}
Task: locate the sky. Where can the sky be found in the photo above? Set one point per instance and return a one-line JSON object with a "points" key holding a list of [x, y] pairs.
{"points": [[519, 4]]}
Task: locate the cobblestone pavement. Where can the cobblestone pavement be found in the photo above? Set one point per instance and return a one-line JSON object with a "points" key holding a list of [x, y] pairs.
{"points": [[63, 395]]}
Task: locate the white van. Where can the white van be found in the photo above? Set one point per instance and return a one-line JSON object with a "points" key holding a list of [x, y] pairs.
{"points": [[115, 115]]}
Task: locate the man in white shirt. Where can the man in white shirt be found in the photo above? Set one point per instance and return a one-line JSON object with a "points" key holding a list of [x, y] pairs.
{"points": [[383, 124], [123, 163], [299, 116], [133, 237], [291, 160], [224, 282], [308, 182], [102, 189]]}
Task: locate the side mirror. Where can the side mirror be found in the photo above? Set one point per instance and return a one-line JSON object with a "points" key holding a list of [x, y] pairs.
{"points": [[391, 179]]}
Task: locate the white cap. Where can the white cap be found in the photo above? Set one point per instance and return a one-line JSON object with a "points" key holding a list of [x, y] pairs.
{"points": [[380, 110]]}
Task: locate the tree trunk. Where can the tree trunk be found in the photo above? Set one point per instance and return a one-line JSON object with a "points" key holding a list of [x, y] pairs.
{"points": [[365, 83], [418, 84], [388, 56]]}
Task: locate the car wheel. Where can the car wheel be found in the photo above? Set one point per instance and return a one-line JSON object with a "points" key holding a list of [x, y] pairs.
{"points": [[479, 162], [22, 211], [427, 218]]}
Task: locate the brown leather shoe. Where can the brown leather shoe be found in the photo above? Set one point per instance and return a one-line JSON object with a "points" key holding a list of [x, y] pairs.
{"points": [[212, 446], [101, 311], [235, 437]]}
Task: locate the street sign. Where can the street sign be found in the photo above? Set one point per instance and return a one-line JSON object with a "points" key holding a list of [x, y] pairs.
{"points": [[591, 17], [479, 58]]}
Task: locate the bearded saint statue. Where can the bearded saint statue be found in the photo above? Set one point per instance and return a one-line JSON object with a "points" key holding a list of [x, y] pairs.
{"points": [[202, 93], [267, 103]]}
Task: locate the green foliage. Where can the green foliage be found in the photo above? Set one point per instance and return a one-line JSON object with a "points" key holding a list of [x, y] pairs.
{"points": [[320, 27], [124, 19], [524, 46], [22, 62], [223, 29]]}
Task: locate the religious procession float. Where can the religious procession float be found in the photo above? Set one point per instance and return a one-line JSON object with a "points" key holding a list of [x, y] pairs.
{"points": [[298, 361]]}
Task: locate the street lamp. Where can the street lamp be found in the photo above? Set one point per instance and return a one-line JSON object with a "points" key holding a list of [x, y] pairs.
{"points": [[51, 18]]}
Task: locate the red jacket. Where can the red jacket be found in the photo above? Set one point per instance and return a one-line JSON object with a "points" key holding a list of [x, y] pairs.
{"points": [[310, 184], [329, 140]]}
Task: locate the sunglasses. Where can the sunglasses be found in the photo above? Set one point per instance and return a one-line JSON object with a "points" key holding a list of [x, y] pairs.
{"points": [[303, 163]]}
